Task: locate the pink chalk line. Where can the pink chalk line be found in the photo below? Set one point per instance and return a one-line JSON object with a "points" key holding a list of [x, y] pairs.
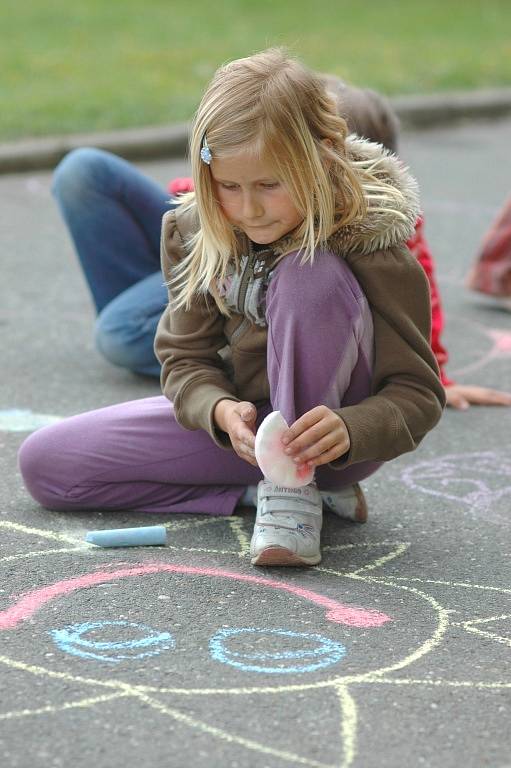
{"points": [[27, 604]]}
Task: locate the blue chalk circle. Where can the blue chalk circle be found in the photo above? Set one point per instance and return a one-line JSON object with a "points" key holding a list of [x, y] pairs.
{"points": [[70, 640], [315, 651]]}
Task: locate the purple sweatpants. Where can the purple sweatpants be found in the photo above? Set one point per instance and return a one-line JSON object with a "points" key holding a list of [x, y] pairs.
{"points": [[135, 456]]}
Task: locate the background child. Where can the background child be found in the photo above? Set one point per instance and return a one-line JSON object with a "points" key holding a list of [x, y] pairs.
{"points": [[491, 272], [289, 259], [117, 238]]}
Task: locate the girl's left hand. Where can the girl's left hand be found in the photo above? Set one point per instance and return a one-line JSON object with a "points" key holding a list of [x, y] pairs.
{"points": [[462, 396], [317, 437]]}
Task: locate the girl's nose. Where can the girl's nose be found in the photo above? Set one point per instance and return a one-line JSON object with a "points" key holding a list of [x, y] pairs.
{"points": [[252, 208]]}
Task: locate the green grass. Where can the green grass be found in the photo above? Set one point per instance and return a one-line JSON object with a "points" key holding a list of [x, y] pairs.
{"points": [[101, 64]]}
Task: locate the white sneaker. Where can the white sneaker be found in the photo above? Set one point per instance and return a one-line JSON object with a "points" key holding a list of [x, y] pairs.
{"points": [[349, 502], [288, 525]]}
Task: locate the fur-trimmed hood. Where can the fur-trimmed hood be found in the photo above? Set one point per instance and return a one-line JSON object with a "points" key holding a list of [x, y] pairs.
{"points": [[392, 199]]}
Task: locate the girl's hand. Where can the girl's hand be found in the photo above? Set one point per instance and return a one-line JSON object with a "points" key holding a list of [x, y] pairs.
{"points": [[317, 437], [461, 396], [238, 420]]}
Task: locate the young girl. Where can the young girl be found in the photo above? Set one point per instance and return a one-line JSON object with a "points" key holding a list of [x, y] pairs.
{"points": [[113, 212], [291, 289]]}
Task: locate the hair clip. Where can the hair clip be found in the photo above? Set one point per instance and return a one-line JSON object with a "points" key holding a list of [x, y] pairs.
{"points": [[205, 153]]}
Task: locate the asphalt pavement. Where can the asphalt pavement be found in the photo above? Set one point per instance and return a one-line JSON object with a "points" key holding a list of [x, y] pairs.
{"points": [[394, 652]]}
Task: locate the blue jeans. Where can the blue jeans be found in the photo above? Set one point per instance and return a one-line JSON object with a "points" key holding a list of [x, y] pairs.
{"points": [[113, 213]]}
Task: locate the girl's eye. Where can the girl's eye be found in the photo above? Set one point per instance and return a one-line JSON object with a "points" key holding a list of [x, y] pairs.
{"points": [[229, 186], [270, 185]]}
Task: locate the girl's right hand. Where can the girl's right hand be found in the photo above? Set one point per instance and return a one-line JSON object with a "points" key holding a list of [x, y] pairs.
{"points": [[238, 420]]}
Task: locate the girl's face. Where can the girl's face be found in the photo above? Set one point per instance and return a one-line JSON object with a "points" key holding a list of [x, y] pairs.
{"points": [[252, 198]]}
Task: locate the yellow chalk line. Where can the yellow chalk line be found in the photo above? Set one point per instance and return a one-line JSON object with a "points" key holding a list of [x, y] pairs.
{"points": [[340, 684], [468, 627], [39, 553], [400, 549], [484, 621], [422, 650], [91, 548], [348, 724], [426, 647], [199, 549], [76, 539], [183, 524], [129, 689], [229, 737], [41, 532], [139, 693], [39, 671], [236, 526], [439, 683], [52, 709], [451, 584], [365, 544], [376, 676], [81, 544]]}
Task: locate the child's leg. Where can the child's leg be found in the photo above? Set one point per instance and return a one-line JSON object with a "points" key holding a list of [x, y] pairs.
{"points": [[320, 346], [133, 456], [126, 327], [114, 214], [320, 351]]}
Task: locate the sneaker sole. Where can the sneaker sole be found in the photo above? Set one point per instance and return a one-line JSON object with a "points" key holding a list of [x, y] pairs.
{"points": [[283, 556]]}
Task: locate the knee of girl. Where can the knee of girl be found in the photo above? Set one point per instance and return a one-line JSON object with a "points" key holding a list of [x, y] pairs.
{"points": [[314, 288], [75, 172], [39, 466]]}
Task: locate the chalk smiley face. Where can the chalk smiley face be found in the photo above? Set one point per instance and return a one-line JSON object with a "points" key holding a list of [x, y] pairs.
{"points": [[477, 482], [293, 630], [188, 696]]}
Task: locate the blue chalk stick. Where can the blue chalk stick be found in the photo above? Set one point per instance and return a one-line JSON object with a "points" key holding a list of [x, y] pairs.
{"points": [[129, 537]]}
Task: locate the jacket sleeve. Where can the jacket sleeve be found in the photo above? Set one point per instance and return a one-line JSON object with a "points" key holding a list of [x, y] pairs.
{"points": [[418, 247], [408, 397], [187, 343]]}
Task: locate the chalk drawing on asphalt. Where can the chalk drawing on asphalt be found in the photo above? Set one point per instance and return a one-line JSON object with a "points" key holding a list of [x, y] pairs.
{"points": [[313, 651], [498, 348], [20, 420], [344, 688], [75, 640], [477, 482]]}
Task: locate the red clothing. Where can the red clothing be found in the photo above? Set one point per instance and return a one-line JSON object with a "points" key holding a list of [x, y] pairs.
{"points": [[491, 273], [420, 249]]}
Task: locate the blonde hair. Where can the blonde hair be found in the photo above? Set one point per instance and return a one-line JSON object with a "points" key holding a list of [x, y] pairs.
{"points": [[272, 105]]}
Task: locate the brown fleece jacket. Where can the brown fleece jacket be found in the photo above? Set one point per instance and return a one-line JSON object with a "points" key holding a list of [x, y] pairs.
{"points": [[205, 359]]}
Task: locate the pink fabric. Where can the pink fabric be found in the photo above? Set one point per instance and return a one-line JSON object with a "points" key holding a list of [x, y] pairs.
{"points": [[491, 273]]}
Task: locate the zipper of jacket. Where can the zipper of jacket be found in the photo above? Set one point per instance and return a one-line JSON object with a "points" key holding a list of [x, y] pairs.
{"points": [[245, 278], [239, 330]]}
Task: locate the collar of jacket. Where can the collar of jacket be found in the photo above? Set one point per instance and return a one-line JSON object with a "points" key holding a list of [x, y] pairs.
{"points": [[392, 207]]}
